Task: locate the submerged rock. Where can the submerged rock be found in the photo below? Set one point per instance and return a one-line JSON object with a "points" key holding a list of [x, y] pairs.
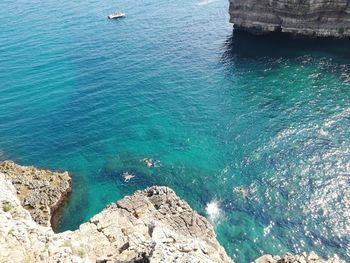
{"points": [[307, 18]]}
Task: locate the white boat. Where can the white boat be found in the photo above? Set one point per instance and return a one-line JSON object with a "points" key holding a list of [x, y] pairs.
{"points": [[116, 15]]}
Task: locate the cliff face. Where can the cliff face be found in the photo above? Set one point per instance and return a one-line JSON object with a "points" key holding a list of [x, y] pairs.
{"points": [[299, 17], [41, 192], [153, 225]]}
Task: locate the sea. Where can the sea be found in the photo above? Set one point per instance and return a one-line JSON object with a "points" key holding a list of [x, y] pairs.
{"points": [[252, 131]]}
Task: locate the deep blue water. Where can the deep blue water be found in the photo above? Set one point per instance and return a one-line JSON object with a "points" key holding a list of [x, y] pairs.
{"points": [[173, 82]]}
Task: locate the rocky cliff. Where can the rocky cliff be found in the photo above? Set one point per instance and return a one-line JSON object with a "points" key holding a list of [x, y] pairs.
{"points": [[153, 225], [298, 17], [41, 192]]}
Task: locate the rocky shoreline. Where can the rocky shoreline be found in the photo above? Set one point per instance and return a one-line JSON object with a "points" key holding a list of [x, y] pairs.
{"points": [[310, 18], [153, 225], [41, 192]]}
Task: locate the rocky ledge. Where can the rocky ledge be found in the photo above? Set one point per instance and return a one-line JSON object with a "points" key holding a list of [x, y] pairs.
{"points": [[41, 192], [302, 17], [153, 225]]}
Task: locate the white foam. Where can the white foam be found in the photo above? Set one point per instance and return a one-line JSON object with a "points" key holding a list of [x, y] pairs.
{"points": [[213, 210]]}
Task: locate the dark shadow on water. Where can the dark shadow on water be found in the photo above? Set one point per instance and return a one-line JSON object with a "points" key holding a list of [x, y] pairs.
{"points": [[274, 72], [277, 45], [74, 211]]}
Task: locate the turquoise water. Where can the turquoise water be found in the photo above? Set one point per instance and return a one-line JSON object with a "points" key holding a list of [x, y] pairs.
{"points": [[173, 82]]}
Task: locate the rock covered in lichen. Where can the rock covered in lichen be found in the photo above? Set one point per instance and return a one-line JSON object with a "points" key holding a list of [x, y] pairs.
{"points": [[41, 192]]}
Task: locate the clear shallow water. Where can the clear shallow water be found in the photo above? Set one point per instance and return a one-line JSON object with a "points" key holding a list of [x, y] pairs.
{"points": [[172, 81]]}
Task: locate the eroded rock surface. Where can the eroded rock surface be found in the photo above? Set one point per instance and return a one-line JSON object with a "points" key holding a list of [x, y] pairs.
{"points": [[153, 225], [298, 17], [41, 192]]}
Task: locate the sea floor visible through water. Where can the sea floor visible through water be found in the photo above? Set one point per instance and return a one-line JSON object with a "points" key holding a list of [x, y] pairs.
{"points": [[173, 81]]}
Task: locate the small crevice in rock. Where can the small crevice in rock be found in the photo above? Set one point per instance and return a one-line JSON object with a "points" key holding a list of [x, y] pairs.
{"points": [[143, 259], [124, 247]]}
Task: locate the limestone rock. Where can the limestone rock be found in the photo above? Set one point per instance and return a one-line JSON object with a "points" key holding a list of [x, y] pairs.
{"points": [[298, 17], [41, 192], [153, 225], [147, 225], [144, 227]]}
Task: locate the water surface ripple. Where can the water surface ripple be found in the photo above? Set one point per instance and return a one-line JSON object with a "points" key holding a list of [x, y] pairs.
{"points": [[219, 109]]}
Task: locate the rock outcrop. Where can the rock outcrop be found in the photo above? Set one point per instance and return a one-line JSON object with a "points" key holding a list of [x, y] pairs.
{"points": [[153, 225], [298, 17], [41, 192]]}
